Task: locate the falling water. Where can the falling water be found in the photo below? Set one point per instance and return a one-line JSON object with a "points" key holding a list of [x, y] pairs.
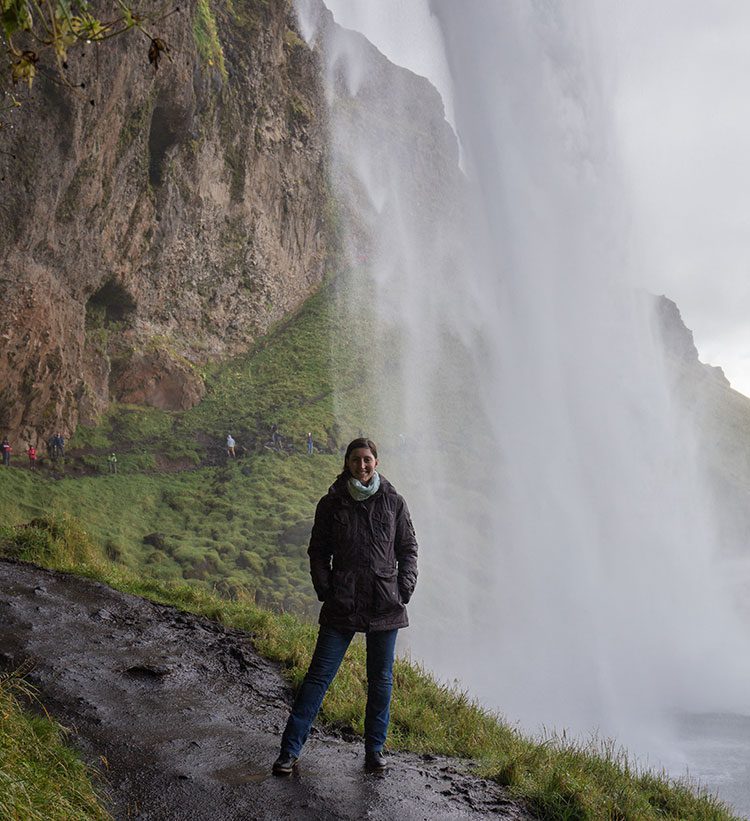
{"points": [[570, 571]]}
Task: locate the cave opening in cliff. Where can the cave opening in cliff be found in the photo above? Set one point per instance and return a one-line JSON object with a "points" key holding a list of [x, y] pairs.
{"points": [[111, 303]]}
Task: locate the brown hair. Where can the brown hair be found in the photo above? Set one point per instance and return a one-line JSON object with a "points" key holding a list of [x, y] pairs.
{"points": [[361, 442]]}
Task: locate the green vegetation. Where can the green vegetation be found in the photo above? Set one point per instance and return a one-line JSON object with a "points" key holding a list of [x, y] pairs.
{"points": [[40, 778], [216, 526], [556, 779], [298, 112], [206, 34], [293, 40], [178, 509]]}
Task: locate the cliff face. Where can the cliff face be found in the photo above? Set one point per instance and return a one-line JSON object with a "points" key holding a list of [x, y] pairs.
{"points": [[390, 143], [156, 220], [721, 416], [680, 346]]}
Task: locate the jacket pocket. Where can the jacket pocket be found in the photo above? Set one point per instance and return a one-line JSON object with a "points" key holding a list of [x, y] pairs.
{"points": [[385, 594], [383, 527], [341, 594]]}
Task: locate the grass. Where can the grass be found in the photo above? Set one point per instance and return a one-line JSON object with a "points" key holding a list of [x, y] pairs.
{"points": [[41, 779], [206, 34], [239, 524], [556, 779]]}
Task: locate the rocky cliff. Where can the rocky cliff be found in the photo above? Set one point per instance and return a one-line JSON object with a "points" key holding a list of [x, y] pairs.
{"points": [[721, 417], [680, 345], [154, 220]]}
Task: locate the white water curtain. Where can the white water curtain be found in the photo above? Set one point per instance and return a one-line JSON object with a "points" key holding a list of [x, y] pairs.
{"points": [[570, 570]]}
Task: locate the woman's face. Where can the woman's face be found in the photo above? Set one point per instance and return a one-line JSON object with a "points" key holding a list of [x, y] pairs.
{"points": [[361, 464]]}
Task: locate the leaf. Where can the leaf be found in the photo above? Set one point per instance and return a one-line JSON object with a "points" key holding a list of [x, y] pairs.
{"points": [[24, 69], [89, 27], [16, 17], [66, 37]]}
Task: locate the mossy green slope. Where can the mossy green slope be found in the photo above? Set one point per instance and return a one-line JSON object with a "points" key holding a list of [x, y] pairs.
{"points": [[239, 524]]}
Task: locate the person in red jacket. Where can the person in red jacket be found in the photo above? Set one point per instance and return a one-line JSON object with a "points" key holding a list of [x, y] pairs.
{"points": [[31, 453]]}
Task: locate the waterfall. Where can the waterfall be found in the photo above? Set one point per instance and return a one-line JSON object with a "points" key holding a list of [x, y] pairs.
{"points": [[570, 572]]}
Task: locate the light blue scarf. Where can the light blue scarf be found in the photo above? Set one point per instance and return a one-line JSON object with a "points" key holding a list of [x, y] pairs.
{"points": [[360, 492]]}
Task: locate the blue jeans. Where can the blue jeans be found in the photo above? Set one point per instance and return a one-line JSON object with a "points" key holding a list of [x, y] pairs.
{"points": [[329, 652]]}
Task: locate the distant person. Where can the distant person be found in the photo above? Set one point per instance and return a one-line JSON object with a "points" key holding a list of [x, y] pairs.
{"points": [[52, 447], [275, 435], [230, 446], [31, 453], [7, 450], [363, 563], [112, 462], [309, 444], [60, 443]]}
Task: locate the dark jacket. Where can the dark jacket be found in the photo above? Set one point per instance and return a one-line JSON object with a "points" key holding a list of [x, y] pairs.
{"points": [[363, 558]]}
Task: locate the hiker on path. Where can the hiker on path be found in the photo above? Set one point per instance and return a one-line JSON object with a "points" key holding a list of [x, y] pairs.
{"points": [[309, 444], [31, 453], [363, 563], [7, 450], [60, 445], [112, 462], [230, 446]]}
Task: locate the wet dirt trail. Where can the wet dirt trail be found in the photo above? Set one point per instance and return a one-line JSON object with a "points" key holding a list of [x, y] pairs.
{"points": [[183, 718]]}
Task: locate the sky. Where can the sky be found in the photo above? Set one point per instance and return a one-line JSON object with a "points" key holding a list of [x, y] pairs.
{"points": [[678, 76]]}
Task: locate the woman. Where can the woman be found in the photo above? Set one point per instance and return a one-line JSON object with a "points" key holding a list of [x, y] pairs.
{"points": [[363, 563]]}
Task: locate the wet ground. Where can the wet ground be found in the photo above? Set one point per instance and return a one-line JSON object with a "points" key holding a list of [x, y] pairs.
{"points": [[183, 718]]}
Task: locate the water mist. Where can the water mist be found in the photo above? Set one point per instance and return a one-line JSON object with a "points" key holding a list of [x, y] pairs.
{"points": [[570, 570]]}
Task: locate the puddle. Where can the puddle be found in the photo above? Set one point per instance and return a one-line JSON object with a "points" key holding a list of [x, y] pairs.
{"points": [[235, 776]]}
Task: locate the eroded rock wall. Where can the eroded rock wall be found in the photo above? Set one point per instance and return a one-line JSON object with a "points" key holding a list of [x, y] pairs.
{"points": [[153, 221]]}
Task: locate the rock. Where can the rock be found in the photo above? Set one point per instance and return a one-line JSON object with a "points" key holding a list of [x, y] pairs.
{"points": [[157, 379], [104, 615], [678, 342], [169, 225]]}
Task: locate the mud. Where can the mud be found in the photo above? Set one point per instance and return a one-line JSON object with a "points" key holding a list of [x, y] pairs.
{"points": [[183, 718]]}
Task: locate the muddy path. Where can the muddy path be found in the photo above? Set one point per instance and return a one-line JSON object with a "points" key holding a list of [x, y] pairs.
{"points": [[183, 718]]}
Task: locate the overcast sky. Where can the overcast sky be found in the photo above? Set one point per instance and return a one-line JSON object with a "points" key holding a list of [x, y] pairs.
{"points": [[680, 79]]}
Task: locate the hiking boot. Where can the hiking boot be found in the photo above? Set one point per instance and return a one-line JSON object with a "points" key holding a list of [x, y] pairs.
{"points": [[284, 764], [375, 762]]}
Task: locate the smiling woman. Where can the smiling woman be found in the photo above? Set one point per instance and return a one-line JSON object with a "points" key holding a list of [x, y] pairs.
{"points": [[363, 562], [361, 464]]}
